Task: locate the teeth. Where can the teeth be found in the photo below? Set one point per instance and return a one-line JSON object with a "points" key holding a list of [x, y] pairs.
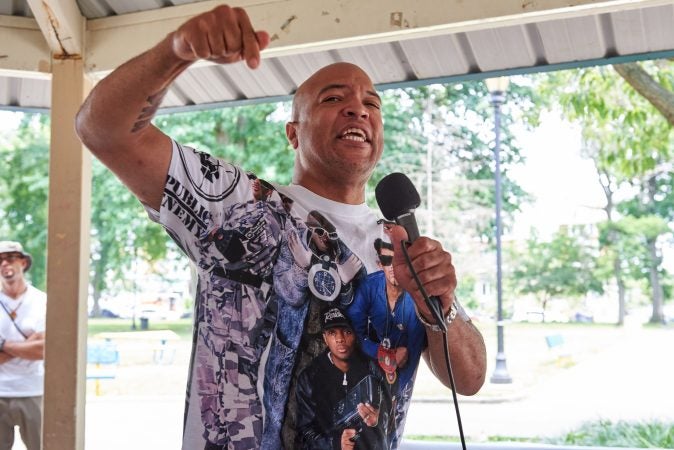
{"points": [[354, 138], [354, 134]]}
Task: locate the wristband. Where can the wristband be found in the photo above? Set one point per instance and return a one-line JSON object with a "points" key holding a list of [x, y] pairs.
{"points": [[448, 319]]}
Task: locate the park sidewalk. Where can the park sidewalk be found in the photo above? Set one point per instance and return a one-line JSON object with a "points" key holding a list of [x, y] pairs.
{"points": [[628, 379]]}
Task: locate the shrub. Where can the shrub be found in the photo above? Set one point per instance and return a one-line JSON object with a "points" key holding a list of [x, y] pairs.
{"points": [[605, 433]]}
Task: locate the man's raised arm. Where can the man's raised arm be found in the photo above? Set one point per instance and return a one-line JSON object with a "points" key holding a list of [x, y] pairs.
{"points": [[114, 121]]}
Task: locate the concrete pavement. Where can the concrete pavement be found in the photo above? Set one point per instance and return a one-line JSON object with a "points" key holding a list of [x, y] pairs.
{"points": [[630, 380]]}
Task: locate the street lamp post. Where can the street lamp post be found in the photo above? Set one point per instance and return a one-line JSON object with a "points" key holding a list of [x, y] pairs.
{"points": [[497, 89]]}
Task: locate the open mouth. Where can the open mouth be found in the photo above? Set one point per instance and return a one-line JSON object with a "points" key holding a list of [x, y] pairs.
{"points": [[354, 134]]}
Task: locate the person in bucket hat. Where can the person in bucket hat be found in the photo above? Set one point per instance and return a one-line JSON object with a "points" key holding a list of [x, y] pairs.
{"points": [[15, 249], [22, 338]]}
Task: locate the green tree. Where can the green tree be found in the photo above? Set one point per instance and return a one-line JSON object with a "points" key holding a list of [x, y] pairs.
{"points": [[566, 266], [24, 184], [441, 136], [447, 119], [630, 142], [442, 117], [121, 234], [656, 88], [120, 230], [252, 136]]}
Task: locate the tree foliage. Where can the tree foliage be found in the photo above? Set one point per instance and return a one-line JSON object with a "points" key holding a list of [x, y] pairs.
{"points": [[633, 235], [442, 137], [120, 234], [455, 121], [120, 230], [633, 139], [24, 159], [564, 267], [630, 143], [252, 137]]}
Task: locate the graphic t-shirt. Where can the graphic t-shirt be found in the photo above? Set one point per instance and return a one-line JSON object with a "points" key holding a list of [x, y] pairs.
{"points": [[268, 259]]}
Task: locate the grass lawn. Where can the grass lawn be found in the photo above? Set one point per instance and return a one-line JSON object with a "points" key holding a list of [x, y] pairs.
{"points": [[182, 327]]}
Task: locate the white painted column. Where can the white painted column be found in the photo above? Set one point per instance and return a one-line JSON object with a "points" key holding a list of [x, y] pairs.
{"points": [[67, 263]]}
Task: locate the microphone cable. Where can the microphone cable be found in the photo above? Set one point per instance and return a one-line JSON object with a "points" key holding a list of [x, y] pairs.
{"points": [[443, 329]]}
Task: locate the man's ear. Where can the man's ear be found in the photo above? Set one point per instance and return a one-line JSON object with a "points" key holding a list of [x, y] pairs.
{"points": [[291, 134]]}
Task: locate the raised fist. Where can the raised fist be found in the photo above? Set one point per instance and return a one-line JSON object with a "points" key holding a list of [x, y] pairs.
{"points": [[222, 35]]}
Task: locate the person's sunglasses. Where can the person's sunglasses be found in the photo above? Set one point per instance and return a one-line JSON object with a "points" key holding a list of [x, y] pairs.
{"points": [[320, 232], [9, 257], [386, 260]]}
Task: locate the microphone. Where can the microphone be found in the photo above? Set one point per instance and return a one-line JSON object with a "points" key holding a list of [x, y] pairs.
{"points": [[397, 199]]}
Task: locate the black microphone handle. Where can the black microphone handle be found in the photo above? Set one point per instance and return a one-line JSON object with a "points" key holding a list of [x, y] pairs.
{"points": [[408, 222]]}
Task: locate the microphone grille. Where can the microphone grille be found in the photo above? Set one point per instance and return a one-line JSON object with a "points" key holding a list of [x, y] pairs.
{"points": [[396, 195]]}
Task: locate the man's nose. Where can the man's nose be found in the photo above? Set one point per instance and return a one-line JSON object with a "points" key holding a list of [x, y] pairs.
{"points": [[356, 108]]}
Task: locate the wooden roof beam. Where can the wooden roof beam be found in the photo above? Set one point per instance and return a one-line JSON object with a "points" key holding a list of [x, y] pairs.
{"points": [[24, 52], [62, 25], [300, 26]]}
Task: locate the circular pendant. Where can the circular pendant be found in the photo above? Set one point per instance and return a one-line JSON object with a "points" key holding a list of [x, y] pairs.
{"points": [[324, 283], [386, 343]]}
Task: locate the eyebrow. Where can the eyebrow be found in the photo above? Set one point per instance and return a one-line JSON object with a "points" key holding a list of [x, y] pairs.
{"points": [[344, 86]]}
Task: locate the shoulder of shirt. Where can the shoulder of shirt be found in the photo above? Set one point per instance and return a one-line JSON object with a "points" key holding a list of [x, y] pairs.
{"points": [[376, 275], [316, 365], [36, 293], [186, 151]]}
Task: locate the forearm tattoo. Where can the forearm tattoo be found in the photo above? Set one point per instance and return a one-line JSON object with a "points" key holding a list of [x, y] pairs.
{"points": [[148, 112]]}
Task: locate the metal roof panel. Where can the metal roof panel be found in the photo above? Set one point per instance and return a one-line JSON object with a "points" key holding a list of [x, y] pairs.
{"points": [[380, 61], [300, 67], [647, 30], [435, 56], [630, 32], [35, 93], [572, 39], [502, 48]]}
